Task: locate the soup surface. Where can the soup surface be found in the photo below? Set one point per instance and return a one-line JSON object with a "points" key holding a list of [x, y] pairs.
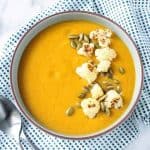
{"points": [[48, 83]]}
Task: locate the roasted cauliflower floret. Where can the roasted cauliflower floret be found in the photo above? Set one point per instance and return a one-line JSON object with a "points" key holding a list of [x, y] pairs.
{"points": [[103, 41], [113, 99], [103, 66], [105, 54], [87, 49], [98, 33], [90, 107], [96, 91], [87, 71]]}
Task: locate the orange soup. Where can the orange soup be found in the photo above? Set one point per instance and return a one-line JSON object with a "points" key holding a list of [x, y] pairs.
{"points": [[49, 85]]}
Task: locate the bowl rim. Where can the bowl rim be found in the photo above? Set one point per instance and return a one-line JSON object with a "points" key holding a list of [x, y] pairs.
{"points": [[95, 134]]}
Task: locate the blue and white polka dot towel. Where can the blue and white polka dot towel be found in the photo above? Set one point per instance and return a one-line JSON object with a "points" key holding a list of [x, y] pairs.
{"points": [[134, 17]]}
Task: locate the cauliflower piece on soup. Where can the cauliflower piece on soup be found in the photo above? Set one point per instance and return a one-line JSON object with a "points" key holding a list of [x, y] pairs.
{"points": [[103, 41], [87, 49], [96, 91], [108, 33], [105, 54], [87, 71], [113, 99], [98, 33], [90, 107], [103, 66]]}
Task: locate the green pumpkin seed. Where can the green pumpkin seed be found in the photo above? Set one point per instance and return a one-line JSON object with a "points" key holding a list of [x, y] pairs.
{"points": [[95, 65], [109, 84], [86, 88], [112, 82], [102, 98], [118, 89], [79, 45], [121, 70], [90, 85], [70, 111], [105, 81], [110, 73], [116, 81], [96, 45], [81, 35], [91, 61], [73, 36], [82, 95], [102, 106], [73, 44], [107, 111], [110, 87], [86, 38]]}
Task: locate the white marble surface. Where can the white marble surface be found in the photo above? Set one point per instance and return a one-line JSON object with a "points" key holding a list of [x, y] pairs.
{"points": [[13, 13]]}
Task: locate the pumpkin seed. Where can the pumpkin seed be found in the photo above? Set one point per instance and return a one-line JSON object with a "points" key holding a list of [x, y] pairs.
{"points": [[86, 88], [78, 105], [73, 44], [91, 61], [121, 70], [70, 111], [102, 106], [110, 87], [107, 111], [110, 73], [96, 45], [81, 36], [86, 38], [95, 65], [118, 89], [105, 82], [82, 95], [108, 82], [79, 45], [102, 98], [116, 81], [90, 85], [73, 36]]}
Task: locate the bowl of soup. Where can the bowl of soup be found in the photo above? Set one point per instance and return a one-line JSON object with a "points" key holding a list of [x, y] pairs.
{"points": [[76, 75]]}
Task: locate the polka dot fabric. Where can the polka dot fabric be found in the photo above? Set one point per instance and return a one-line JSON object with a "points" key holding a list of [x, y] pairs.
{"points": [[134, 17]]}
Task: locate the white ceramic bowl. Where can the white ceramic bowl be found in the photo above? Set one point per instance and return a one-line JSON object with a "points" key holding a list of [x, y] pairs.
{"points": [[76, 15]]}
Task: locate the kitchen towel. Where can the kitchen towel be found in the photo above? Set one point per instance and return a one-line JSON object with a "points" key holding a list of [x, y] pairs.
{"points": [[134, 17]]}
